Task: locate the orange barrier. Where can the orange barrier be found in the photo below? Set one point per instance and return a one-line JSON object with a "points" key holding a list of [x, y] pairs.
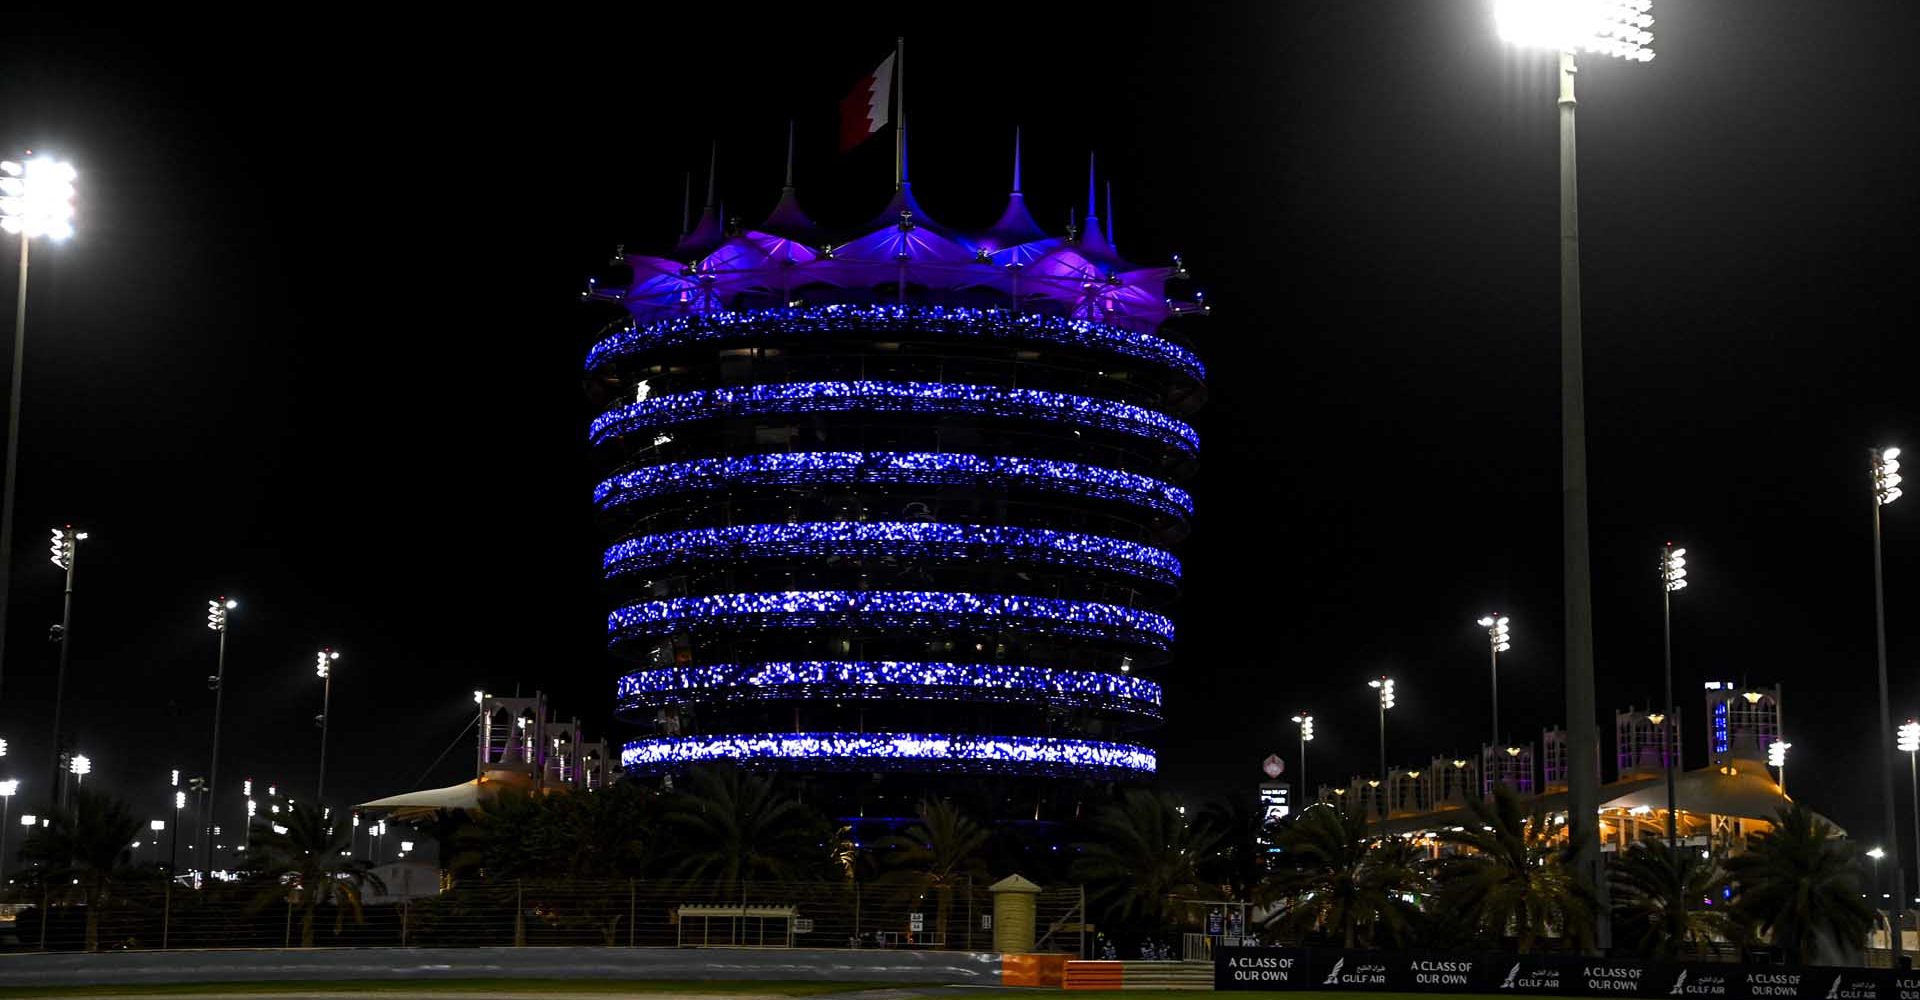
{"points": [[1032, 970], [1094, 976]]}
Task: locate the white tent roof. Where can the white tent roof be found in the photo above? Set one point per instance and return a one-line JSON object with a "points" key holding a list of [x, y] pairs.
{"points": [[468, 795]]}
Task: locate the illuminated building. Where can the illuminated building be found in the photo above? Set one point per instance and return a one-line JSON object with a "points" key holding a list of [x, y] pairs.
{"points": [[893, 502], [1739, 790]]}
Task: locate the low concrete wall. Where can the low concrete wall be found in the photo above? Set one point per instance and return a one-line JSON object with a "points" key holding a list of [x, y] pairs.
{"points": [[337, 964]]}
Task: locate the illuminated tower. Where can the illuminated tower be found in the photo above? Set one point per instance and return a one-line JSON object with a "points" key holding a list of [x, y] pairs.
{"points": [[896, 502], [1742, 722]]}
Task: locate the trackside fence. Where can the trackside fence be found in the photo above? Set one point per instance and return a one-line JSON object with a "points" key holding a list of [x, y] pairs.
{"points": [[535, 913]]}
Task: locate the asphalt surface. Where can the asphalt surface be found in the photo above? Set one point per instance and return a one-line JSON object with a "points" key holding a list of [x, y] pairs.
{"points": [[412, 965]]}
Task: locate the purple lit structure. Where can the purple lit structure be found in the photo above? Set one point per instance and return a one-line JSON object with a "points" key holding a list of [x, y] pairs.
{"points": [[897, 501]]}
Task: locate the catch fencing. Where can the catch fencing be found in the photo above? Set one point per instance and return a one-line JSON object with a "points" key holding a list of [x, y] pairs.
{"points": [[538, 913]]}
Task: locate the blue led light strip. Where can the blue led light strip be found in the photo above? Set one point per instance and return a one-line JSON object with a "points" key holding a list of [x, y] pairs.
{"points": [[889, 679], [893, 609], [897, 751], [870, 396], [894, 322], [890, 539], [892, 468]]}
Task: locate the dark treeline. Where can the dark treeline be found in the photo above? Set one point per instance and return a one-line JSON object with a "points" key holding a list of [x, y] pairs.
{"points": [[1150, 869]]}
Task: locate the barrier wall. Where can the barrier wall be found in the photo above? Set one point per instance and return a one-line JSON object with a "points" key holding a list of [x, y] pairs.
{"points": [[1332, 970]]}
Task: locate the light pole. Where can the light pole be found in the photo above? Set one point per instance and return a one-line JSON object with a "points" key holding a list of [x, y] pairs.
{"points": [[1673, 577], [324, 668], [65, 554], [1910, 743], [158, 826], [1498, 642], [36, 199], [217, 621], [173, 849], [1876, 853], [1305, 722], [80, 766], [1777, 759], [1384, 685], [7, 788], [1886, 489], [1617, 29]]}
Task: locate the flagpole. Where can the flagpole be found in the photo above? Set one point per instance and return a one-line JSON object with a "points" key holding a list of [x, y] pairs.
{"points": [[900, 108]]}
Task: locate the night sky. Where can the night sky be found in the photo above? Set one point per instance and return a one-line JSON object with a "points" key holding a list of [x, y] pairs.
{"points": [[318, 346]]}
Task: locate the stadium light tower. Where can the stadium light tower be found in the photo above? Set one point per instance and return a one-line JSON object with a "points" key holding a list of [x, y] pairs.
{"points": [[1619, 29], [65, 553], [323, 667], [1909, 744], [1886, 489], [7, 789], [217, 610], [36, 200], [1305, 722], [1777, 759], [1384, 685], [173, 849], [1499, 640], [1673, 577]]}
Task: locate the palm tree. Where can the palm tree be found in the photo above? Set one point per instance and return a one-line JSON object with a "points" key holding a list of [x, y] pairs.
{"points": [[1797, 883], [307, 862], [1142, 856], [938, 854], [1238, 861], [508, 838], [86, 844], [1515, 880], [1662, 902], [733, 827], [444, 826], [1337, 880], [598, 835]]}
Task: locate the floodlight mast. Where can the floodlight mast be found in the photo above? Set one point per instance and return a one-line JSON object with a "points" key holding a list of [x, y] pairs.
{"points": [[1620, 29], [1909, 743], [36, 200], [1499, 640], [1885, 472], [1305, 722], [1673, 578]]}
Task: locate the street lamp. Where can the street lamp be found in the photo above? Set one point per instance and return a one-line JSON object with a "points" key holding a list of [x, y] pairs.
{"points": [[323, 667], [1384, 685], [1909, 743], [80, 766], [1777, 759], [217, 610], [1885, 469], [7, 788], [36, 199], [1498, 642], [65, 554], [1673, 577], [1616, 28], [1305, 722], [158, 826]]}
